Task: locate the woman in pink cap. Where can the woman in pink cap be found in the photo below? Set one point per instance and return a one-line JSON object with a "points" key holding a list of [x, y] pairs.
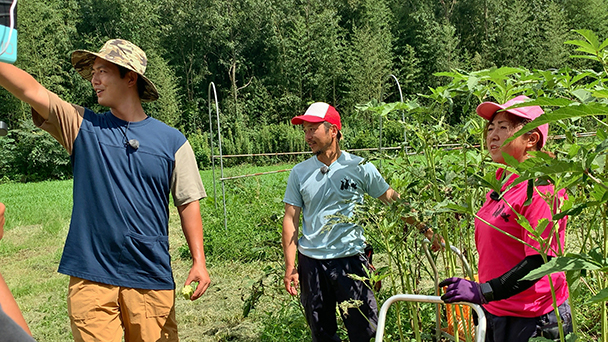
{"points": [[516, 309]]}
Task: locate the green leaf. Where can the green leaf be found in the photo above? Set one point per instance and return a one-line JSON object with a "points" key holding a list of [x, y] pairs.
{"points": [[472, 82], [590, 36], [571, 337], [583, 46], [453, 207], [573, 150], [583, 95], [450, 74], [523, 221], [540, 339], [502, 73], [510, 160], [542, 225], [597, 256], [561, 264], [600, 94], [529, 192], [579, 77], [601, 147], [594, 58], [601, 296], [603, 45], [598, 192], [563, 113], [488, 180], [575, 210]]}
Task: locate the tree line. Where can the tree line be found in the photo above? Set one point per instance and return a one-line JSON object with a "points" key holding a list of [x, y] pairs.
{"points": [[270, 58]]}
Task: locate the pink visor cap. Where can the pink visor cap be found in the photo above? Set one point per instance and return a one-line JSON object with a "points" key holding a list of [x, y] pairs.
{"points": [[487, 109], [319, 112]]}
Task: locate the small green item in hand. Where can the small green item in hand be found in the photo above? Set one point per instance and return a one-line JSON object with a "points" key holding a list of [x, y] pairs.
{"points": [[187, 291]]}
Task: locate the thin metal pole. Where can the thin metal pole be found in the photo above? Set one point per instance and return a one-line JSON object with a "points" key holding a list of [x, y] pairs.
{"points": [[402, 112], [256, 174], [219, 139], [219, 135], [212, 86]]}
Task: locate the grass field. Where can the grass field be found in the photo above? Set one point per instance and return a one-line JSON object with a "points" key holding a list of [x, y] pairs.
{"points": [[37, 223], [246, 300]]}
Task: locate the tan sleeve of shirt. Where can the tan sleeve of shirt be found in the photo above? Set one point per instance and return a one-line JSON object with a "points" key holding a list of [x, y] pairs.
{"points": [[186, 184], [64, 121]]}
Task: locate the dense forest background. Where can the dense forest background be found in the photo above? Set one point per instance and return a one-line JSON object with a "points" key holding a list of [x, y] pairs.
{"points": [[270, 58]]}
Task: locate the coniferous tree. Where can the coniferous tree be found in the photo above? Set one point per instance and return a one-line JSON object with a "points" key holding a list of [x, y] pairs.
{"points": [[554, 52], [370, 55]]}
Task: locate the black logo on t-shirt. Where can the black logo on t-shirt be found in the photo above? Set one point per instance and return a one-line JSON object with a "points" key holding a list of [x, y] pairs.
{"points": [[499, 212], [346, 183]]}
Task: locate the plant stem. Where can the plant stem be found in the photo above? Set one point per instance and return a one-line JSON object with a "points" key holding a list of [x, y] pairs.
{"points": [[602, 282], [507, 234], [389, 251], [560, 323]]}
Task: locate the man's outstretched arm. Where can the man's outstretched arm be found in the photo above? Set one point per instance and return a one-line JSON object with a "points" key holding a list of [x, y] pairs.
{"points": [[23, 86], [389, 196]]}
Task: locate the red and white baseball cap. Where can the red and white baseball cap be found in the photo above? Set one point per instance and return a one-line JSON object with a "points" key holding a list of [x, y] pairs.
{"points": [[487, 109], [319, 112]]}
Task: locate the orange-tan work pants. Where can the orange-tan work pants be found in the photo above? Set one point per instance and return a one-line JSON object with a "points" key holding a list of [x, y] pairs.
{"points": [[101, 312]]}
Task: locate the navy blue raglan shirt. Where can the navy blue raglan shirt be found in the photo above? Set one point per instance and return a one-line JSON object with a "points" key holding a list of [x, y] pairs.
{"points": [[119, 228]]}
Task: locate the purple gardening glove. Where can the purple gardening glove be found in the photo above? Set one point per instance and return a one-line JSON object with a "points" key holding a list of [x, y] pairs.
{"points": [[462, 290]]}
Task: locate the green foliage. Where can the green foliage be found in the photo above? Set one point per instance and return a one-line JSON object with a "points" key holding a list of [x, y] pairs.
{"points": [[270, 59], [201, 148], [30, 154]]}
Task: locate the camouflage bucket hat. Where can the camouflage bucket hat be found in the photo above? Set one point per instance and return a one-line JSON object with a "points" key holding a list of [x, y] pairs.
{"points": [[120, 52]]}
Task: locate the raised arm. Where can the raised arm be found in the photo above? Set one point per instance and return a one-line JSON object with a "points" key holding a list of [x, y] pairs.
{"points": [[192, 226], [23, 86], [291, 221]]}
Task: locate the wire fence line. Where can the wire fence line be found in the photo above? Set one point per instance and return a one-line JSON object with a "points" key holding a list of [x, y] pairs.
{"points": [[448, 146]]}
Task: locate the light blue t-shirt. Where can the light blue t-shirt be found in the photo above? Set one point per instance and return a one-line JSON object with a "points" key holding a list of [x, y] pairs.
{"points": [[334, 193]]}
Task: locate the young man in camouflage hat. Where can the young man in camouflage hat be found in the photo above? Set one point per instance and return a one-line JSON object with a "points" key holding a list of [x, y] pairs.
{"points": [[125, 165]]}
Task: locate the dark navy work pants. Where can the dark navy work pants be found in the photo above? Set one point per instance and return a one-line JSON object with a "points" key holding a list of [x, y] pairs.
{"points": [[516, 329], [325, 283]]}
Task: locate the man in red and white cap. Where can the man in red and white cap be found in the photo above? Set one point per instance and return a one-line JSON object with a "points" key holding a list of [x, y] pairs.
{"points": [[322, 188]]}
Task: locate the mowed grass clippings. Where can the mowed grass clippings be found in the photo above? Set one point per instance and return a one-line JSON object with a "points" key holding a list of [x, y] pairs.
{"points": [[38, 217]]}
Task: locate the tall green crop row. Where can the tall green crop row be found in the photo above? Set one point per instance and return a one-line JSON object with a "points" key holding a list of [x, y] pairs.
{"points": [[445, 185]]}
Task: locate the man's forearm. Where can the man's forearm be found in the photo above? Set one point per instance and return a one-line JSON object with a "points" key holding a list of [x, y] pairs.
{"points": [[290, 245], [192, 226], [290, 234], [23, 86]]}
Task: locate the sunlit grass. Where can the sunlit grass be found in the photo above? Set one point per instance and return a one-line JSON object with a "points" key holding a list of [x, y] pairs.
{"points": [[38, 217]]}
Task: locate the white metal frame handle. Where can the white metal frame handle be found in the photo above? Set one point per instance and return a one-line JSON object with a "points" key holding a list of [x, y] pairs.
{"points": [[480, 330]]}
